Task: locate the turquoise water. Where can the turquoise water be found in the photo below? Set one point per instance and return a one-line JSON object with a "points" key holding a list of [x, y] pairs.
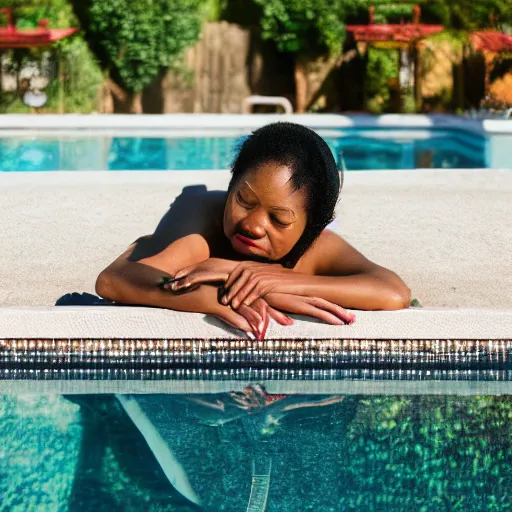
{"points": [[354, 453], [362, 149]]}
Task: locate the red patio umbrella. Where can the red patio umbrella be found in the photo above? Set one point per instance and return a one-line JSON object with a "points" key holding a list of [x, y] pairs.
{"points": [[491, 41], [12, 37], [396, 36]]}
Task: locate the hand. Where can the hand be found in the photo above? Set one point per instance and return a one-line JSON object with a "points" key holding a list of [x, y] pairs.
{"points": [[251, 280], [311, 306], [207, 271], [253, 319]]}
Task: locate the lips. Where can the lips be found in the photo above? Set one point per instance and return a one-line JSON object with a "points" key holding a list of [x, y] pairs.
{"points": [[245, 240]]}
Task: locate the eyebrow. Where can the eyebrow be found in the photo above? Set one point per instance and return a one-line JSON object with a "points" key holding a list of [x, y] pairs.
{"points": [[280, 208]]}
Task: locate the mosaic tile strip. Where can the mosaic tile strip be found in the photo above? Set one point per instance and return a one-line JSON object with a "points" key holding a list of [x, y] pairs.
{"points": [[239, 359]]}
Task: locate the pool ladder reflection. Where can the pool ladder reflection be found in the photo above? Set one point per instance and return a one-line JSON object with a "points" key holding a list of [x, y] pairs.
{"points": [[260, 485]]}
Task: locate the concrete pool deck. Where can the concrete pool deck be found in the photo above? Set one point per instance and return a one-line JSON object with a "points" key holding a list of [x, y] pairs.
{"points": [[446, 232]]}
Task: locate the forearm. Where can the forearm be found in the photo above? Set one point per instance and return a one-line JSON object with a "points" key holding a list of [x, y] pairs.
{"points": [[137, 284], [372, 291]]}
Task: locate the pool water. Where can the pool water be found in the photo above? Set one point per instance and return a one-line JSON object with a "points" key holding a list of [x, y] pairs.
{"points": [[361, 149], [256, 452]]}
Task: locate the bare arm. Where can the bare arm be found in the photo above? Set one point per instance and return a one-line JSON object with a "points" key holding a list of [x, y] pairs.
{"points": [[346, 277], [331, 270], [136, 282]]}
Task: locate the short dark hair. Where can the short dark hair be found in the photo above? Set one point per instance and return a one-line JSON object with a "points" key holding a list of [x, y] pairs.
{"points": [[313, 168]]}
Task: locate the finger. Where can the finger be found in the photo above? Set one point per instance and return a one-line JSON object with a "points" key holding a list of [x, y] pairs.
{"points": [[235, 287], [253, 318], [263, 329], [336, 310], [279, 316], [235, 274], [166, 284], [236, 320], [196, 278], [241, 296], [261, 308], [184, 272], [306, 308], [252, 296], [323, 315]]}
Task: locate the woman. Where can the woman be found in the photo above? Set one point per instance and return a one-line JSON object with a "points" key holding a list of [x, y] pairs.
{"points": [[261, 248]]}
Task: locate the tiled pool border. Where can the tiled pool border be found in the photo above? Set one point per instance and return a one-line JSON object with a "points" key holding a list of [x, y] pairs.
{"points": [[283, 366]]}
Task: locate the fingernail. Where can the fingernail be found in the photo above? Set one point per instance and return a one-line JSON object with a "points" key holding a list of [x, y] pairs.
{"points": [[250, 335], [164, 282], [224, 300]]}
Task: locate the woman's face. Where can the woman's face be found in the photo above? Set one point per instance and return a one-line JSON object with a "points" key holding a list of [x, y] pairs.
{"points": [[264, 216]]}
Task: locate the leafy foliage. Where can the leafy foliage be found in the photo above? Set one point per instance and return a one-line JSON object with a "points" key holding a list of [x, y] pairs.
{"points": [[429, 453], [392, 12], [134, 41], [380, 69], [28, 13], [306, 26], [460, 15]]}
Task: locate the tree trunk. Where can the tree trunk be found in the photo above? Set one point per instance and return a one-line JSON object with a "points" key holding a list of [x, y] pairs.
{"points": [[60, 71], [111, 90], [105, 98], [301, 86], [418, 98], [136, 106]]}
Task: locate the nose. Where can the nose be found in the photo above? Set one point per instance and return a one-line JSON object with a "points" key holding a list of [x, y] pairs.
{"points": [[254, 224]]}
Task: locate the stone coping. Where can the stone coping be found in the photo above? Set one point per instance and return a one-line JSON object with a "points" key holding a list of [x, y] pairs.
{"points": [[109, 322], [178, 122]]}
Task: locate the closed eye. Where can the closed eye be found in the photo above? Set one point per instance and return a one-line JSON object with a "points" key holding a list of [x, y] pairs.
{"points": [[242, 201], [277, 221]]}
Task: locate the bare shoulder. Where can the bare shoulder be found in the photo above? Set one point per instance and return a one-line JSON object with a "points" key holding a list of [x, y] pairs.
{"points": [[196, 211], [332, 255]]}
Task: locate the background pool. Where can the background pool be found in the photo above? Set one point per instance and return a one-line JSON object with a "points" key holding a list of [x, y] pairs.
{"points": [[362, 149]]}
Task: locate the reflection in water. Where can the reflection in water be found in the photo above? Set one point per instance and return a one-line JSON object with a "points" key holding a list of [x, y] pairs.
{"points": [[284, 453]]}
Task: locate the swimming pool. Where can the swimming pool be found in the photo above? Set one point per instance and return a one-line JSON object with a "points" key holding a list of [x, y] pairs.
{"points": [[353, 452], [361, 149], [408, 420], [202, 142]]}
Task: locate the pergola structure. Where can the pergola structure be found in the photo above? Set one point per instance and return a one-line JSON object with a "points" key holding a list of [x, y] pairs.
{"points": [[11, 37], [492, 44], [398, 36]]}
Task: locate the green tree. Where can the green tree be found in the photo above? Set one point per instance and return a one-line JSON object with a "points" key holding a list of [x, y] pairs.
{"points": [[460, 15], [134, 41], [306, 28]]}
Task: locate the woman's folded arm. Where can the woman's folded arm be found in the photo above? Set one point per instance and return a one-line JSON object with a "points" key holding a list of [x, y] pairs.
{"points": [[137, 282]]}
